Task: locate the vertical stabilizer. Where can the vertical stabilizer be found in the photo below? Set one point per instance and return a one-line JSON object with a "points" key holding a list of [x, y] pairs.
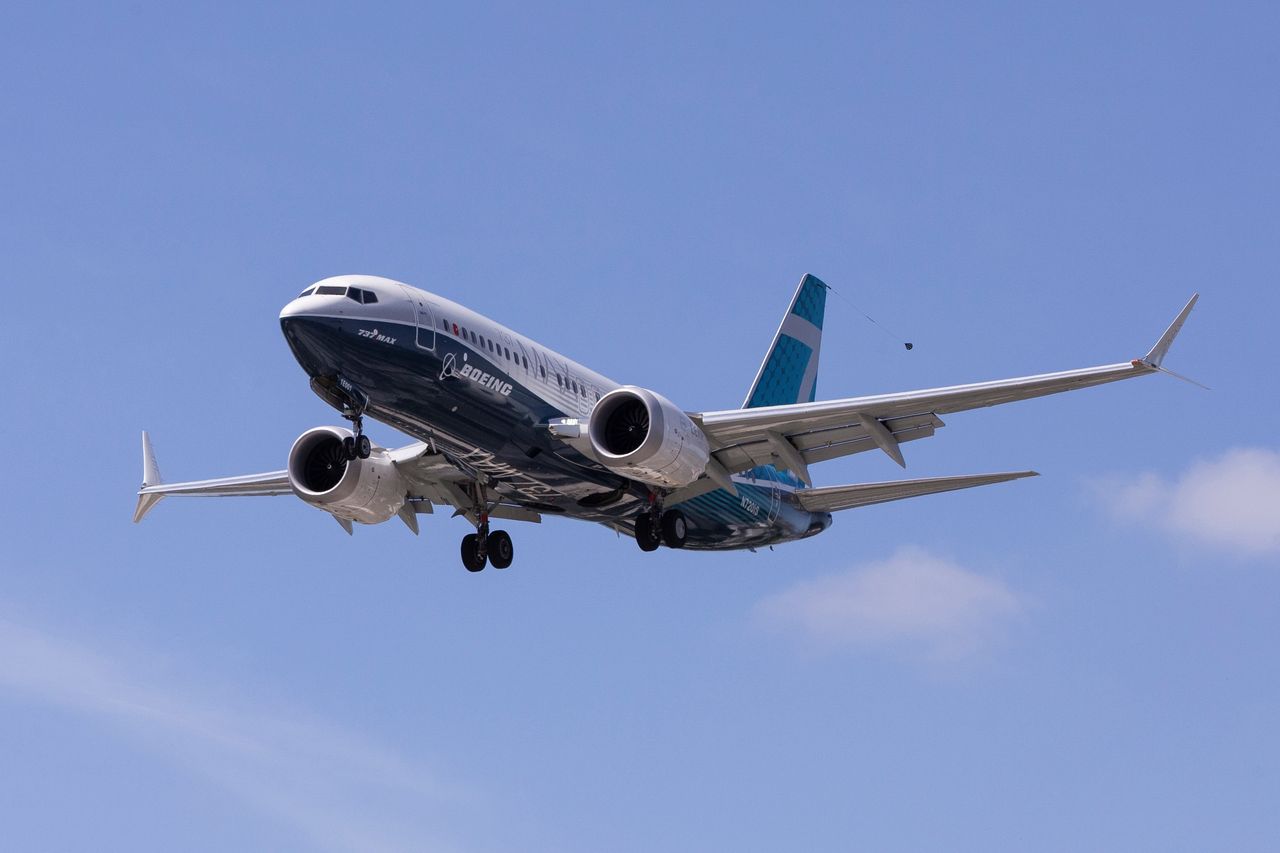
{"points": [[789, 372]]}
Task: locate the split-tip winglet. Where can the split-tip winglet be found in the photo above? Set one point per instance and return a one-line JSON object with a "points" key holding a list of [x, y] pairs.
{"points": [[1154, 359], [1161, 349], [150, 477]]}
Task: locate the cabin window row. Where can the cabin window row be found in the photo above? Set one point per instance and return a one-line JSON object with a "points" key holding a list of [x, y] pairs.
{"points": [[483, 342], [568, 384]]}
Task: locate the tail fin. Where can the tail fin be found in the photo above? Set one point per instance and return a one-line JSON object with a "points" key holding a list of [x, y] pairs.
{"points": [[789, 373]]}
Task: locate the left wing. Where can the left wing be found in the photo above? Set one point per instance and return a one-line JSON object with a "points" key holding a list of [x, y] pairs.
{"points": [[794, 436]]}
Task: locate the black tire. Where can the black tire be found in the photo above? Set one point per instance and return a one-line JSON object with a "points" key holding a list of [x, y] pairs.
{"points": [[472, 558], [501, 551], [364, 448], [674, 528], [647, 535], [349, 448]]}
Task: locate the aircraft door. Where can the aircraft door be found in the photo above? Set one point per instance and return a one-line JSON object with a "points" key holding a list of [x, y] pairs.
{"points": [[425, 319]]}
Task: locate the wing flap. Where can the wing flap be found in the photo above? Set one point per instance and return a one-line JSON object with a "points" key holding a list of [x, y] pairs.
{"points": [[836, 498], [822, 444]]}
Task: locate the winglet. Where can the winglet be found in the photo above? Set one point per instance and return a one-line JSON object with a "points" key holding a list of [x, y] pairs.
{"points": [[150, 470], [150, 477], [1161, 349]]}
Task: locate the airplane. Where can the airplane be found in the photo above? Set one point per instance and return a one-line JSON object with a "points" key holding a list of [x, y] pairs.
{"points": [[506, 428]]}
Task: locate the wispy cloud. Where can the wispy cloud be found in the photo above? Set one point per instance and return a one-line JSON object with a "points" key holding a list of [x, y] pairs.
{"points": [[1231, 500], [913, 601], [337, 789]]}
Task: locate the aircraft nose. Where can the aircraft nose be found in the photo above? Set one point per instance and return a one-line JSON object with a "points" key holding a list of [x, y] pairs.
{"points": [[292, 309], [307, 302]]}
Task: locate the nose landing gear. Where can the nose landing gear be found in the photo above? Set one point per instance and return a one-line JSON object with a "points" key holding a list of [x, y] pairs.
{"points": [[354, 402], [358, 446]]}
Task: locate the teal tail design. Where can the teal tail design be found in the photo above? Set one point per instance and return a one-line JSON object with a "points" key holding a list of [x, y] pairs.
{"points": [[789, 373]]}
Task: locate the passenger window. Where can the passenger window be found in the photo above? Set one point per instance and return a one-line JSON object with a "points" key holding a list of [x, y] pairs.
{"points": [[575, 386], [559, 380], [474, 339], [542, 370], [526, 362]]}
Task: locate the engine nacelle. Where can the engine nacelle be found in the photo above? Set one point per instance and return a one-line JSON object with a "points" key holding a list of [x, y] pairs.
{"points": [[365, 490], [642, 435]]}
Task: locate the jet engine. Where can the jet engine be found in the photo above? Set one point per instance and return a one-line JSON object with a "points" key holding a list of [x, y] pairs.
{"points": [[365, 490], [642, 435]]}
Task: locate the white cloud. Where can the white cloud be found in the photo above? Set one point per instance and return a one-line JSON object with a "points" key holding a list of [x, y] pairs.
{"points": [[914, 601], [337, 789], [1231, 500]]}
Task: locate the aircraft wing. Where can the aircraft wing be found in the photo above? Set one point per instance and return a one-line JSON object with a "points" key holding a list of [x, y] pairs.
{"points": [[836, 498], [794, 436], [433, 479], [429, 477]]}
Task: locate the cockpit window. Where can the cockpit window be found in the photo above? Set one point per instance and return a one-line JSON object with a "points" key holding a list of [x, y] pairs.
{"points": [[330, 290], [306, 292], [355, 294]]}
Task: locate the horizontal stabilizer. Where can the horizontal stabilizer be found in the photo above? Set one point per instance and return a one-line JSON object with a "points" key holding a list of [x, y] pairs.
{"points": [[835, 498]]}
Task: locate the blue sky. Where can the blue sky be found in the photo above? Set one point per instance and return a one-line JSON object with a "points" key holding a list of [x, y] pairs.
{"points": [[1081, 661]]}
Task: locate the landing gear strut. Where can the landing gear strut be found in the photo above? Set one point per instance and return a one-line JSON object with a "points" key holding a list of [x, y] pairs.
{"points": [[484, 546]]}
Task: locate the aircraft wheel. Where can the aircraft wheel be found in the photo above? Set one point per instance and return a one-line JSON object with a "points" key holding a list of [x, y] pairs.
{"points": [[364, 449], [674, 528], [648, 537], [472, 557], [349, 448], [501, 551]]}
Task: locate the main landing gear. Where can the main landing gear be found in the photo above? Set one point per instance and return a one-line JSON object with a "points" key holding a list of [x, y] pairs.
{"points": [[482, 548], [655, 527], [485, 546]]}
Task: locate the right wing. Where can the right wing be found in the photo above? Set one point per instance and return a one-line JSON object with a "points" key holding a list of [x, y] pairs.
{"points": [[153, 489], [836, 498], [430, 478]]}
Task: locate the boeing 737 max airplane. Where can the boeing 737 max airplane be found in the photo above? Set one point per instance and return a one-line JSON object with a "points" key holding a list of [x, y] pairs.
{"points": [[507, 428]]}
